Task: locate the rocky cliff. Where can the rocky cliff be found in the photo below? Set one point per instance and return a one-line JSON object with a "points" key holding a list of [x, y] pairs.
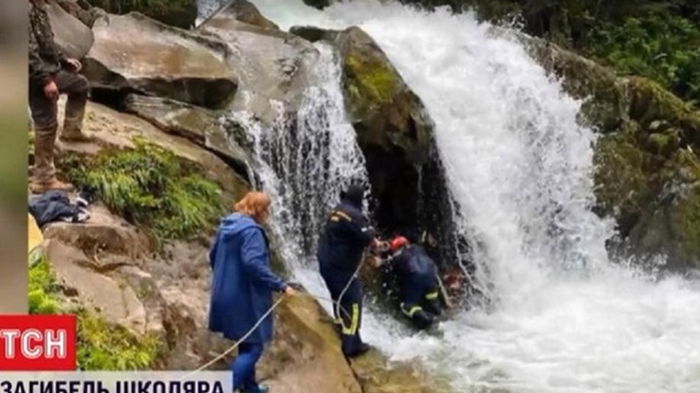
{"points": [[163, 169]]}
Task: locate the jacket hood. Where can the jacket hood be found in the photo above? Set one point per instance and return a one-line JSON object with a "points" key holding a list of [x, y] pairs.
{"points": [[353, 195], [236, 223]]}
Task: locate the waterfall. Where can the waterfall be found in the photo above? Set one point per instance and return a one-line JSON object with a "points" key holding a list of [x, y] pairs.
{"points": [[563, 316], [303, 161]]}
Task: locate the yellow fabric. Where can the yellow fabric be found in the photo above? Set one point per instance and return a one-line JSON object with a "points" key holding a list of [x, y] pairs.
{"points": [[33, 234], [343, 215], [355, 321], [432, 295], [411, 311]]}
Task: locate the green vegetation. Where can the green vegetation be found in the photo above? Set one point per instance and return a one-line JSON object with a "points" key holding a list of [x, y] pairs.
{"points": [[151, 187], [101, 346], [106, 347], [42, 288], [658, 39], [374, 80], [661, 47]]}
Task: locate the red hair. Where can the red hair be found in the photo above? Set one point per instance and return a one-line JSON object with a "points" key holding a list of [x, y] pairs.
{"points": [[255, 204]]}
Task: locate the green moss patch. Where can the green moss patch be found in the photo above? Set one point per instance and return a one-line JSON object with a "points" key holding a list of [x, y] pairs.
{"points": [[688, 221], [42, 288], [373, 80], [101, 346], [620, 176], [151, 187]]}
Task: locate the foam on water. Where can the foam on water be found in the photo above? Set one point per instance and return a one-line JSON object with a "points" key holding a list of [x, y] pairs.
{"points": [[563, 318]]}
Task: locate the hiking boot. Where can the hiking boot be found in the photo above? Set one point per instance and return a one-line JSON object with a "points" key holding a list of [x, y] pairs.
{"points": [[54, 184], [76, 137], [261, 388], [361, 350]]}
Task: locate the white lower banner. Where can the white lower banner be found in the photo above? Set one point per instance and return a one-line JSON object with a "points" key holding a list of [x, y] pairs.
{"points": [[117, 382]]}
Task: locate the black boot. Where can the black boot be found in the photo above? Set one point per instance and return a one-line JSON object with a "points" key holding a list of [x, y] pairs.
{"points": [[422, 320]]}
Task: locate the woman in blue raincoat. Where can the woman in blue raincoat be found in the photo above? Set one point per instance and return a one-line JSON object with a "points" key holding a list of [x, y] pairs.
{"points": [[242, 286]]}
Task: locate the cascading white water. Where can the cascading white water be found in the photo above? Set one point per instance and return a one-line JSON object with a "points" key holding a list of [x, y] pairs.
{"points": [[303, 163], [564, 318]]}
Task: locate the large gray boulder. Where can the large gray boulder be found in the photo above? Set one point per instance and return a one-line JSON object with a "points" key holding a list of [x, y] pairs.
{"points": [[135, 53], [71, 35], [274, 66], [244, 11], [200, 125]]}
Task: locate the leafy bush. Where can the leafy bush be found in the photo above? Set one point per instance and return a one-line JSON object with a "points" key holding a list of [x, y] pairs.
{"points": [[42, 289], [101, 346], [106, 347], [661, 47], [658, 39], [150, 186]]}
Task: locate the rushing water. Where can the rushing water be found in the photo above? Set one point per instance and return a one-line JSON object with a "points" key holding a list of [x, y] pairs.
{"points": [[563, 317], [303, 162]]}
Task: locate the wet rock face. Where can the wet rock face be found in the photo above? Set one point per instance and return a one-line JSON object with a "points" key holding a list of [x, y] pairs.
{"points": [[385, 111], [134, 53], [395, 134], [246, 12], [71, 35], [647, 164], [274, 66]]}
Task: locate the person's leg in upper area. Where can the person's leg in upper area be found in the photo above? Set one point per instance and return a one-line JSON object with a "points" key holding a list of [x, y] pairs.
{"points": [[44, 112], [243, 367], [77, 88]]}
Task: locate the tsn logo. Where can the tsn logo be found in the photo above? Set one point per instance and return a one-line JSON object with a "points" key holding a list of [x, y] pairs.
{"points": [[37, 342]]}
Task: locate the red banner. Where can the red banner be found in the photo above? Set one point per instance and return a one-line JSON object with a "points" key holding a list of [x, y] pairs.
{"points": [[37, 342]]}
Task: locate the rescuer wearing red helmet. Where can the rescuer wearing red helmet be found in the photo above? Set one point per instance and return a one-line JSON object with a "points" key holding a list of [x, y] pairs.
{"points": [[417, 276]]}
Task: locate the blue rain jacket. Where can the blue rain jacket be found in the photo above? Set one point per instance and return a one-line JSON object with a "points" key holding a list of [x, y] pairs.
{"points": [[242, 281]]}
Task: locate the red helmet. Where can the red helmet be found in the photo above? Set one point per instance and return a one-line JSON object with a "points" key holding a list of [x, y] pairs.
{"points": [[398, 242]]}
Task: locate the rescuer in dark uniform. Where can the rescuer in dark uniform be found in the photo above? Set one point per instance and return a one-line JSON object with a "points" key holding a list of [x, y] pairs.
{"points": [[417, 276], [341, 247]]}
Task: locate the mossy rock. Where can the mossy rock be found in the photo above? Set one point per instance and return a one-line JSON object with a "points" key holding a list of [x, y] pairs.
{"points": [[605, 101], [150, 186], [645, 161], [664, 144], [386, 113], [650, 102], [100, 345], [370, 81], [687, 223], [622, 188]]}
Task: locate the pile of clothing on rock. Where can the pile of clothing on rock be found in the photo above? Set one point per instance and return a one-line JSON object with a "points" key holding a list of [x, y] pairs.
{"points": [[55, 205]]}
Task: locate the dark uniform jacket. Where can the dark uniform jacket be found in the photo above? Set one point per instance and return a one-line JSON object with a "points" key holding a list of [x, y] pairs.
{"points": [[412, 264], [346, 235], [45, 58]]}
